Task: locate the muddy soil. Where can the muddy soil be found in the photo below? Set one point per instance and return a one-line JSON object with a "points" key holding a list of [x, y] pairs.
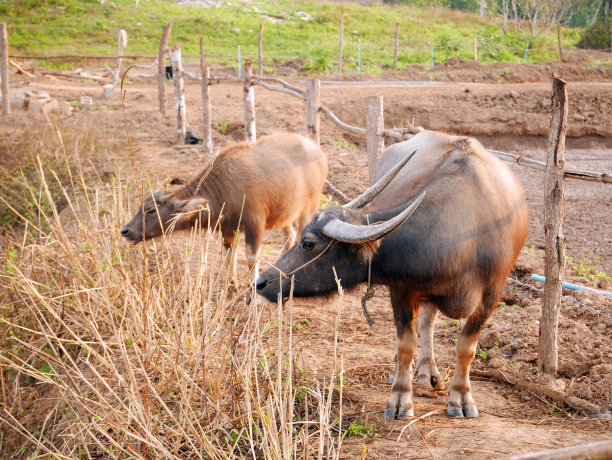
{"points": [[511, 117]]}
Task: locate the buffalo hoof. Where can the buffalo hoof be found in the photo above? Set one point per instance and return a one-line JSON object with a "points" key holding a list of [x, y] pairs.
{"points": [[453, 411], [471, 411], [405, 414], [428, 382], [402, 414]]}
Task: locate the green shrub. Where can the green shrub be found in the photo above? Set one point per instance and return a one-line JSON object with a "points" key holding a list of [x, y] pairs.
{"points": [[595, 37]]}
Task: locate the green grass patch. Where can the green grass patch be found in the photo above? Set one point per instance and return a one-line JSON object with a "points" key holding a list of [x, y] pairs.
{"points": [[307, 31]]}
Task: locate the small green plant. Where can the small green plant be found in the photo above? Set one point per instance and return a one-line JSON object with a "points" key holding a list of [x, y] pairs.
{"points": [[552, 410], [342, 142], [359, 428], [483, 354], [587, 272], [325, 201], [221, 127]]}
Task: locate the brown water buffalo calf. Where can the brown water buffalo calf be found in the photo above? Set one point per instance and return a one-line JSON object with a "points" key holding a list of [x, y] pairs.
{"points": [[444, 232], [275, 183]]}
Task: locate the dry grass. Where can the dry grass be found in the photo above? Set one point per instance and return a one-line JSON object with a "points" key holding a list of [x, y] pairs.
{"points": [[113, 350]]}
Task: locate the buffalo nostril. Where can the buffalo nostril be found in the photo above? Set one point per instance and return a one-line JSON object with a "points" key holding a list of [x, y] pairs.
{"points": [[125, 231], [260, 283]]}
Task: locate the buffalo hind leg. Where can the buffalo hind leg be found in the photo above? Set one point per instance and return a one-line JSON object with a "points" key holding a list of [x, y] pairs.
{"points": [[428, 375], [400, 404], [460, 402]]}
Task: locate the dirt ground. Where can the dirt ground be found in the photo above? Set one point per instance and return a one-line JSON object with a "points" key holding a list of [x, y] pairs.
{"points": [[507, 116]]}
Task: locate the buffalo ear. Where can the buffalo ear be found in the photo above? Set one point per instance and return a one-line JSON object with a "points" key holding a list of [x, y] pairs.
{"points": [[162, 199], [189, 205]]}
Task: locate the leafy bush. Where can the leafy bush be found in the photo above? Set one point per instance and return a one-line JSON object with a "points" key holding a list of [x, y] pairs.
{"points": [[447, 39], [595, 37]]}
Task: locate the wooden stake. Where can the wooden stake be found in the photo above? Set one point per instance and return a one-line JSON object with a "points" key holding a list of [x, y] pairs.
{"points": [[313, 106], [475, 49], [260, 50], [554, 209], [249, 103], [374, 133], [121, 44], [161, 69], [206, 109], [4, 70], [179, 94], [395, 48], [341, 44]]}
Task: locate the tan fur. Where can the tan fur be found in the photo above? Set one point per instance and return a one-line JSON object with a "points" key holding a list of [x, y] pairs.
{"points": [[274, 184]]}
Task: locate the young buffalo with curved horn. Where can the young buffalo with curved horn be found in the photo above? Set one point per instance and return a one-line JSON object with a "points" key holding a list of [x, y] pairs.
{"points": [[443, 232]]}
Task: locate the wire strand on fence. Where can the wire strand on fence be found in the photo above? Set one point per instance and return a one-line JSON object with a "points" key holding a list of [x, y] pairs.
{"points": [[577, 235], [337, 191], [606, 178], [565, 297]]}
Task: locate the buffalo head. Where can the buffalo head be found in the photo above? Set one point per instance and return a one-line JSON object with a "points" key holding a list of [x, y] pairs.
{"points": [[343, 238], [157, 213]]}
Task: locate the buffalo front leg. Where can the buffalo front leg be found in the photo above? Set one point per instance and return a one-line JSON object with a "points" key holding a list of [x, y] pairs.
{"points": [[428, 375], [230, 256], [254, 236], [400, 404]]}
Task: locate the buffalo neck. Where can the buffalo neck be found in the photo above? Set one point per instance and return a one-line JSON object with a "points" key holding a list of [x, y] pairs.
{"points": [[208, 190]]}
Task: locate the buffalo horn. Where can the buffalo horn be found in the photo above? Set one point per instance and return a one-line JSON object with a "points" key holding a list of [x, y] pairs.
{"points": [[378, 187], [350, 233]]}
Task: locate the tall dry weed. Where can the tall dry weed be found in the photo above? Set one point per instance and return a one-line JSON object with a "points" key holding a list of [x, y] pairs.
{"points": [[114, 350]]}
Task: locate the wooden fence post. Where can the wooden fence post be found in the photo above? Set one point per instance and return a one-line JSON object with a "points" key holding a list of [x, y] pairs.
{"points": [[374, 133], [396, 46], [475, 49], [206, 109], [249, 103], [554, 209], [4, 70], [260, 50], [313, 106], [122, 40], [179, 94], [341, 47], [161, 69]]}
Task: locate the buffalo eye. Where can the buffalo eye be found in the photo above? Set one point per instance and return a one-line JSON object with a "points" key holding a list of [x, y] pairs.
{"points": [[150, 211], [308, 245]]}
